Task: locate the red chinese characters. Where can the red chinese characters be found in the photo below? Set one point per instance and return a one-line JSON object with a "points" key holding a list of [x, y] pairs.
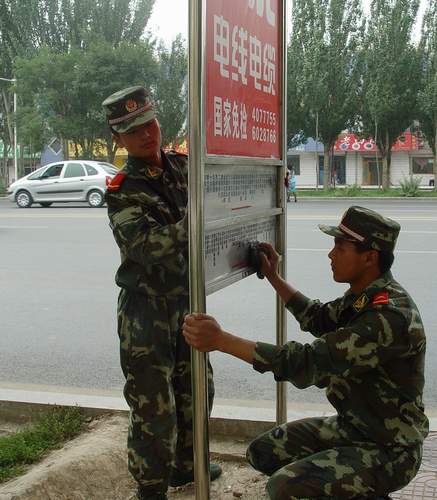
{"points": [[243, 78]]}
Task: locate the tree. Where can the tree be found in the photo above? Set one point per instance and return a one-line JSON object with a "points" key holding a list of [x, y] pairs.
{"points": [[427, 108], [323, 70], [66, 24], [391, 75], [102, 71], [171, 90], [68, 88], [50, 41]]}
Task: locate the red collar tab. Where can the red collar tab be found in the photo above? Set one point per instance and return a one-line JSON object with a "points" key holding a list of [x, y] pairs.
{"points": [[116, 182], [380, 298]]}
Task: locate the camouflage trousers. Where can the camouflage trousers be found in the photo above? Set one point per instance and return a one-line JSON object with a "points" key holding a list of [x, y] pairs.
{"points": [[155, 360], [318, 459]]}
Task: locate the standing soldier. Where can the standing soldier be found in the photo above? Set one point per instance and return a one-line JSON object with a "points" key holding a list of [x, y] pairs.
{"points": [[147, 208], [369, 355]]}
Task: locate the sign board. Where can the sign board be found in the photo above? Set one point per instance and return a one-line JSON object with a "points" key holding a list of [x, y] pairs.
{"points": [[226, 251], [231, 192], [243, 89], [243, 61]]}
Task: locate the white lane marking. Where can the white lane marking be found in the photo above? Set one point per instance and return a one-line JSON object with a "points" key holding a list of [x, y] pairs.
{"points": [[403, 231], [24, 227], [53, 216], [327, 250], [337, 218]]}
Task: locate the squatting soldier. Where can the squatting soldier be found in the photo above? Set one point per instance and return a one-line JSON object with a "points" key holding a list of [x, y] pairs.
{"points": [[369, 355], [147, 205]]}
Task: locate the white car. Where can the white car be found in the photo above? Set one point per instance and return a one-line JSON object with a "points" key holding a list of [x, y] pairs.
{"points": [[62, 182]]}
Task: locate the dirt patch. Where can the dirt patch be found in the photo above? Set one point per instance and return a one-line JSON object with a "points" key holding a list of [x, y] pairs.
{"points": [[238, 480], [8, 428], [93, 467]]}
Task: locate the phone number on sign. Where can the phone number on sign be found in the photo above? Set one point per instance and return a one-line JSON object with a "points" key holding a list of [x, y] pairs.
{"points": [[262, 134], [264, 117]]}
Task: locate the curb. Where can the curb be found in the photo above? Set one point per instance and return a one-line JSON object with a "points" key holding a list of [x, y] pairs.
{"points": [[220, 427], [377, 198]]}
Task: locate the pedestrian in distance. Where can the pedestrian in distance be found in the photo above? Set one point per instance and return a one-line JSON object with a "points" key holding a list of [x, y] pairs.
{"points": [[291, 191], [287, 184], [147, 208], [368, 354]]}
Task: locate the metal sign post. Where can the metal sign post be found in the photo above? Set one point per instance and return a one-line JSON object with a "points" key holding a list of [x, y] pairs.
{"points": [[237, 122], [196, 241], [281, 241]]}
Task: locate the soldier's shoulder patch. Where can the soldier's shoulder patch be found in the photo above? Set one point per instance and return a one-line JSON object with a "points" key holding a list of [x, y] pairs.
{"points": [[380, 298], [361, 302], [116, 182]]}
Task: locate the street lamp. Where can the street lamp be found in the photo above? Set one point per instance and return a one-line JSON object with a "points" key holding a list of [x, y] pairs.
{"points": [[14, 80]]}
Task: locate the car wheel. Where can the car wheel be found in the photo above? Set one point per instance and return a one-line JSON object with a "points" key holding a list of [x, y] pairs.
{"points": [[23, 199], [95, 198], [46, 204]]}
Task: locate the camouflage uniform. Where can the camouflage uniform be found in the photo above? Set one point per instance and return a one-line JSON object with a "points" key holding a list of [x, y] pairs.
{"points": [[369, 355], [148, 218]]}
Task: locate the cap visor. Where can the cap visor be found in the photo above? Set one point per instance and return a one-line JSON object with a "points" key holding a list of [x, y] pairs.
{"points": [[127, 125], [335, 232]]}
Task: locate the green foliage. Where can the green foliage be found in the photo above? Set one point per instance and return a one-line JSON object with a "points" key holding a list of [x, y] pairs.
{"points": [[69, 55], [353, 190], [30, 445], [362, 193], [171, 94], [65, 24], [390, 75], [410, 186], [427, 97], [67, 89], [323, 68]]}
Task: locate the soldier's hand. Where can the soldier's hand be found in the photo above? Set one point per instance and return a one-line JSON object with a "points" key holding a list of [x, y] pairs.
{"points": [[269, 260], [202, 332]]}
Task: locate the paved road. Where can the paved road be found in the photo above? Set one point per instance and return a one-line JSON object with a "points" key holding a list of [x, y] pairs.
{"points": [[57, 308]]}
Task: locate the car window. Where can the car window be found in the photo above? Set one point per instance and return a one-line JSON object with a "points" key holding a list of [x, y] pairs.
{"points": [[36, 174], [110, 169], [53, 171], [90, 170], [74, 170]]}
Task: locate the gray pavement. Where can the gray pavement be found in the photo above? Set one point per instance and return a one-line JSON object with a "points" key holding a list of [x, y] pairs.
{"points": [[58, 303]]}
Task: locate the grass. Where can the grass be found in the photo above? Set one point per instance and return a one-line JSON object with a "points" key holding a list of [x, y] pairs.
{"points": [[27, 446], [351, 191]]}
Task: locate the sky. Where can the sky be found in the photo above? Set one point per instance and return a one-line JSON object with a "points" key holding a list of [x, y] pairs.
{"points": [[170, 17]]}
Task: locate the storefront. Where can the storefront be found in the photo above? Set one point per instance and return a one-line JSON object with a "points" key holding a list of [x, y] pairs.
{"points": [[357, 162]]}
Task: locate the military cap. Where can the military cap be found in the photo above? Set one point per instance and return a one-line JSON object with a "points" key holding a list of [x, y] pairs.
{"points": [[128, 108], [365, 226]]}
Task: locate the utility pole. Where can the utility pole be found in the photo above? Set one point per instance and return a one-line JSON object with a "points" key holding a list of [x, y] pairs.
{"points": [[14, 81]]}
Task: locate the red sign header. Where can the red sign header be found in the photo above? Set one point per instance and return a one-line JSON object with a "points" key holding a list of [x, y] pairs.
{"points": [[350, 142], [243, 69]]}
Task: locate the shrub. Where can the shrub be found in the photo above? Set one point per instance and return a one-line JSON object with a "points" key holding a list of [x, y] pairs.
{"points": [[352, 190], [410, 186], [25, 447]]}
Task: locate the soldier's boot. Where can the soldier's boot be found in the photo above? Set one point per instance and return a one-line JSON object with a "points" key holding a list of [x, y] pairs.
{"points": [[380, 498], [147, 495], [180, 478]]}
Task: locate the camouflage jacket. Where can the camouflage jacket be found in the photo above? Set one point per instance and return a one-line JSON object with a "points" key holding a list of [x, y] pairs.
{"points": [[370, 356], [147, 212]]}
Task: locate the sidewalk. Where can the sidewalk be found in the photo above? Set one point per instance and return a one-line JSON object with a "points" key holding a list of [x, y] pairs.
{"points": [[93, 466]]}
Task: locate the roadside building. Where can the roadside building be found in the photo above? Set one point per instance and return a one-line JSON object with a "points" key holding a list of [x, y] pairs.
{"points": [[27, 161], [355, 161]]}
